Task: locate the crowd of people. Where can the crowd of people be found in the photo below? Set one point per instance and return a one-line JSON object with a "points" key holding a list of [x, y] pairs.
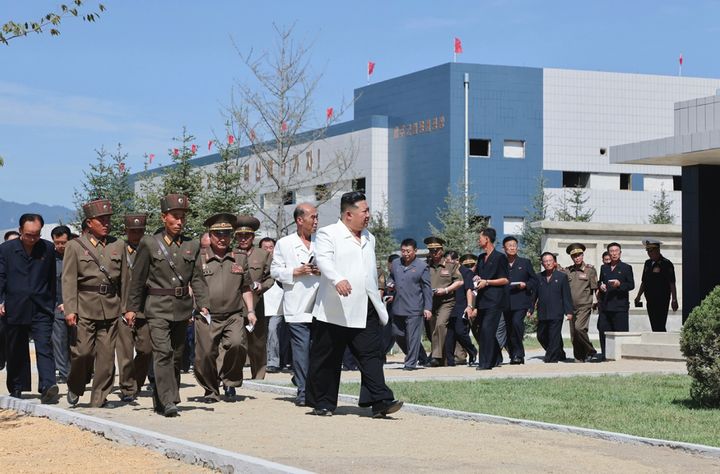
{"points": [[314, 301]]}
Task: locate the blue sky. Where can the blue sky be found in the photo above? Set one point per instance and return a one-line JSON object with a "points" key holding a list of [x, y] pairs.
{"points": [[148, 68]]}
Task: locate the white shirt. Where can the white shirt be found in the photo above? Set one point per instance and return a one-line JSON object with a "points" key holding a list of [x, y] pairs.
{"points": [[340, 256], [298, 292]]}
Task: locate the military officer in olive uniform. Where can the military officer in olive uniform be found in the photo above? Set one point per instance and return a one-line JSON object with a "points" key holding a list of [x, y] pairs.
{"points": [[658, 285], [94, 271], [133, 348], [583, 286], [445, 278], [166, 265], [258, 270], [229, 286]]}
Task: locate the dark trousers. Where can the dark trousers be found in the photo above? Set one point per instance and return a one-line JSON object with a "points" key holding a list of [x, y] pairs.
{"points": [[326, 353], [61, 345], [2, 343], [658, 312], [487, 321], [387, 337], [458, 330], [188, 354], [168, 341], [300, 337], [408, 333], [549, 334], [611, 321], [515, 328], [18, 353]]}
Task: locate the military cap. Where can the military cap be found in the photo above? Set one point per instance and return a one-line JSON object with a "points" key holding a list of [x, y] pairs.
{"points": [[574, 249], [246, 224], [220, 221], [651, 244], [174, 202], [468, 259], [97, 208], [135, 221], [433, 242]]}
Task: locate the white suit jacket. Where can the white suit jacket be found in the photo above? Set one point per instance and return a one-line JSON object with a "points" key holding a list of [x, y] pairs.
{"points": [[298, 293], [341, 257]]}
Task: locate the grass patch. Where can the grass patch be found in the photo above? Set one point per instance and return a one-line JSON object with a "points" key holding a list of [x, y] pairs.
{"points": [[654, 406]]}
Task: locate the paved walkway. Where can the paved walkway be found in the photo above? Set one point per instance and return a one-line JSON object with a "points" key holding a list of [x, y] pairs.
{"points": [[270, 426]]}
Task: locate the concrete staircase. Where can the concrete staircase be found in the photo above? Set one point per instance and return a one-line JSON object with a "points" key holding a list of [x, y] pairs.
{"points": [[653, 346]]}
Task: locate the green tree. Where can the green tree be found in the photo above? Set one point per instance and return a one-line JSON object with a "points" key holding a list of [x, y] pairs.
{"points": [[459, 234], [573, 206], [147, 197], [700, 344], [224, 191], [107, 178], [11, 29], [385, 243], [662, 209], [531, 237]]}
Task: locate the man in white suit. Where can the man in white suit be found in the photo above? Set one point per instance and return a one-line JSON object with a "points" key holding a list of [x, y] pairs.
{"points": [[348, 313], [293, 265]]}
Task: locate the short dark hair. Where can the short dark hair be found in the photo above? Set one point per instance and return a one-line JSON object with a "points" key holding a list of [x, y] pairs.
{"points": [[298, 212], [392, 257], [490, 233], [613, 244], [10, 233], [605, 254], [548, 253], [84, 225], [452, 254], [350, 199], [61, 230], [409, 243], [31, 218], [510, 238], [266, 239]]}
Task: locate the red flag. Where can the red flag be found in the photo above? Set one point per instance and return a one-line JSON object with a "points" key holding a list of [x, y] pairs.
{"points": [[209, 144], [371, 68], [176, 152], [231, 139], [121, 167], [252, 135], [193, 148], [680, 59], [329, 113], [458, 46], [283, 126], [150, 158]]}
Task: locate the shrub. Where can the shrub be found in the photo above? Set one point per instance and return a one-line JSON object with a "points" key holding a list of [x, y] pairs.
{"points": [[700, 343]]}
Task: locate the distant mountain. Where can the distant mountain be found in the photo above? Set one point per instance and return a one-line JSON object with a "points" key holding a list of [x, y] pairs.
{"points": [[10, 213]]}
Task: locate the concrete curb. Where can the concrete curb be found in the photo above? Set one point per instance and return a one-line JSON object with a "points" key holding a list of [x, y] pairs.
{"points": [[174, 448], [502, 420]]}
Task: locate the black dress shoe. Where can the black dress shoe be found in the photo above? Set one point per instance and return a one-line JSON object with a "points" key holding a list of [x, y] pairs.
{"points": [[72, 399], [483, 368], [16, 394], [517, 361], [127, 398], [170, 410], [321, 412], [434, 363], [472, 360], [383, 409], [272, 370], [61, 379], [407, 367], [230, 392], [49, 395]]}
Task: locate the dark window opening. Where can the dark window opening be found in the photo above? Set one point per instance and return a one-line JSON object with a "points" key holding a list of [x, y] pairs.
{"points": [[358, 184], [289, 198], [321, 192], [625, 181], [603, 151], [677, 183], [575, 179], [479, 147]]}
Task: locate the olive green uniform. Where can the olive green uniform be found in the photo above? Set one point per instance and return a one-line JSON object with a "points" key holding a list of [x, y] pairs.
{"points": [[583, 283], [442, 275], [258, 269], [167, 304], [227, 278], [98, 304]]}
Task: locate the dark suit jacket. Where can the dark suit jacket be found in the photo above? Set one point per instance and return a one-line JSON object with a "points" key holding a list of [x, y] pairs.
{"points": [[554, 300], [27, 282], [522, 270], [495, 267], [617, 299]]}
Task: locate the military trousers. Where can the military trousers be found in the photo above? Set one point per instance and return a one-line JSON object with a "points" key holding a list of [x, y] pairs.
{"points": [[257, 347], [92, 347], [579, 324], [226, 333], [442, 309], [168, 341], [134, 352]]}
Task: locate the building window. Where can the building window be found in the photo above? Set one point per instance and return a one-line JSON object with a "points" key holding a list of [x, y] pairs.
{"points": [[289, 198], [480, 147], [575, 179], [512, 225], [625, 181], [603, 151], [358, 184], [322, 192], [514, 149], [677, 183], [262, 201]]}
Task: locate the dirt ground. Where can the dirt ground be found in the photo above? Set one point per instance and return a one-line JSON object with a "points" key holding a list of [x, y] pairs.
{"points": [[31, 444]]}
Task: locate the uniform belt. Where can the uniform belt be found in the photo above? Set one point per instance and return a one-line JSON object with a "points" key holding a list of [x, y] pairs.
{"points": [[178, 291], [104, 289]]}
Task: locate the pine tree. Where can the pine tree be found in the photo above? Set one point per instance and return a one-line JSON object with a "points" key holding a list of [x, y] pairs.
{"points": [[385, 243], [573, 206], [662, 213], [459, 234], [531, 237], [107, 178]]}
